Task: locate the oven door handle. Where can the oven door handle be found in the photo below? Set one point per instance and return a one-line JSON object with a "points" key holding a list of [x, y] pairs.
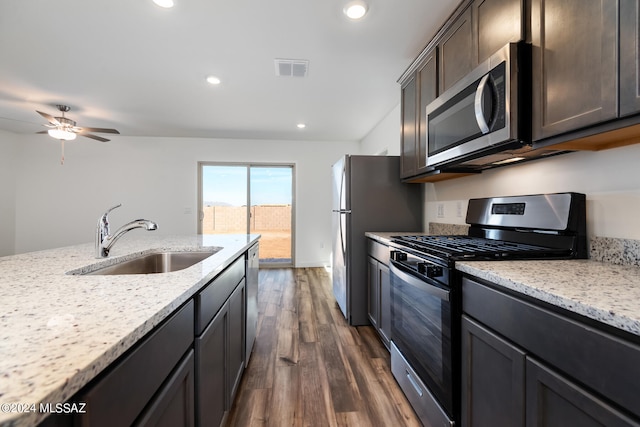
{"points": [[419, 283]]}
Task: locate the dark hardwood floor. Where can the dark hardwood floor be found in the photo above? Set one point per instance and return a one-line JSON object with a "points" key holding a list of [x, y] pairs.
{"points": [[309, 368]]}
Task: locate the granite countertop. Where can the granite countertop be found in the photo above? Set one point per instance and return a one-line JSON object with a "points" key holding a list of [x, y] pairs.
{"points": [[58, 331], [598, 290]]}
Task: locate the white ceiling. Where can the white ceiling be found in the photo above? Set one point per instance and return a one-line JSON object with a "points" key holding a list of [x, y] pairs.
{"points": [[130, 65]]}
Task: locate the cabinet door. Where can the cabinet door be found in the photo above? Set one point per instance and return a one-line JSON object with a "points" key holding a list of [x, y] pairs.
{"points": [[629, 57], [428, 82], [385, 303], [211, 368], [408, 137], [496, 23], [574, 64], [373, 285], [456, 51], [493, 379], [252, 300], [554, 401], [174, 404], [237, 302]]}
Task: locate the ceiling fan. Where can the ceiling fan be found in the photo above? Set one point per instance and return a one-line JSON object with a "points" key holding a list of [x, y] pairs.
{"points": [[65, 129]]}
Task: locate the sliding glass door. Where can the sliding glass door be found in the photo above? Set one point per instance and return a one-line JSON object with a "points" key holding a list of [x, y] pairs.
{"points": [[250, 198]]}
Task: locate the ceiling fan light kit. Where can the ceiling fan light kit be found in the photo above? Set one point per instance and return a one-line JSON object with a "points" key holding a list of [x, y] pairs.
{"points": [[62, 134], [65, 129]]}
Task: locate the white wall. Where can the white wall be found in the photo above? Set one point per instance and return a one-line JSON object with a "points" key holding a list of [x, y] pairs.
{"points": [[610, 179], [156, 178], [8, 157], [385, 137]]}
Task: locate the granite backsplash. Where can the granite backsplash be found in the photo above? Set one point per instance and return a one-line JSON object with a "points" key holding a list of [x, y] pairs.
{"points": [[605, 249]]}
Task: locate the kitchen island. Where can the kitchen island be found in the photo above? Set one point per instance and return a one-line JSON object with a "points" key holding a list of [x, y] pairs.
{"points": [[58, 331]]}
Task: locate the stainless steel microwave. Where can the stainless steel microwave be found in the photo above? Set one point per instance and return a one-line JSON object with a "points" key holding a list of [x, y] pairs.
{"points": [[485, 112]]}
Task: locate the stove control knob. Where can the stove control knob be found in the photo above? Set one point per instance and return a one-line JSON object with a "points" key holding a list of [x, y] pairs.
{"points": [[422, 267], [398, 256], [434, 271]]}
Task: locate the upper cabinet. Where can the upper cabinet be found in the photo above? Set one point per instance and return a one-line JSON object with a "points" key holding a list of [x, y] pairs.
{"points": [[496, 23], [574, 64], [408, 131], [585, 68], [629, 57], [456, 51]]}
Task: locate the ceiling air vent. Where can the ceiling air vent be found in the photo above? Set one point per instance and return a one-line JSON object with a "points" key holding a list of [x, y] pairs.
{"points": [[291, 67]]}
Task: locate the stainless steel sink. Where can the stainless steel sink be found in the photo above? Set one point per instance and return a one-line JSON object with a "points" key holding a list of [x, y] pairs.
{"points": [[162, 262]]}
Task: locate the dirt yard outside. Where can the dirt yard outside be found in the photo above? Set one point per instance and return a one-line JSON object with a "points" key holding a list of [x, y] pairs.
{"points": [[272, 222]]}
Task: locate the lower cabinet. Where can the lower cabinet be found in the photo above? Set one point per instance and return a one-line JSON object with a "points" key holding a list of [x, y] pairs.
{"points": [[150, 386], [379, 290], [174, 405], [512, 351], [219, 356]]}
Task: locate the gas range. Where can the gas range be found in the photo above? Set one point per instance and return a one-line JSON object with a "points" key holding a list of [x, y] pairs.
{"points": [[544, 226], [425, 295]]}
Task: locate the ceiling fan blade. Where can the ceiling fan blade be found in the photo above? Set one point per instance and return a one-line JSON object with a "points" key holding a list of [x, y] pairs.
{"points": [[50, 118], [43, 131], [96, 137], [99, 130]]}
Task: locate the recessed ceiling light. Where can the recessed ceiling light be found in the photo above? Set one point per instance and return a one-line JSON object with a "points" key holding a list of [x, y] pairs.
{"points": [[301, 125], [213, 80], [355, 9], [164, 3]]}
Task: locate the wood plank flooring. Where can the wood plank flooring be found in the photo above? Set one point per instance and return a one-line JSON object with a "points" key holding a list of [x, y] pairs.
{"points": [[309, 367]]}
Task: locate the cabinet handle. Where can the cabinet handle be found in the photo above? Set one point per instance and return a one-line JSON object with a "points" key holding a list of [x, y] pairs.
{"points": [[414, 383]]}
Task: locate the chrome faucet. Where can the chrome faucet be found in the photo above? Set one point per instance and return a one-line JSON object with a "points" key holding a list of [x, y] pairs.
{"points": [[105, 240]]}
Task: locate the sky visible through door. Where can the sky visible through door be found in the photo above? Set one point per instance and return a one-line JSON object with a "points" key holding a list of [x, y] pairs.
{"points": [[250, 198]]}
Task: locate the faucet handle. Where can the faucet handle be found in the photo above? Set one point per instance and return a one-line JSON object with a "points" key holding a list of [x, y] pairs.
{"points": [[110, 209]]}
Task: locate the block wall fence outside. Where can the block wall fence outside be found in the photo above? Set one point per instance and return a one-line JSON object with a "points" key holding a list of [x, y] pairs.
{"points": [[221, 219]]}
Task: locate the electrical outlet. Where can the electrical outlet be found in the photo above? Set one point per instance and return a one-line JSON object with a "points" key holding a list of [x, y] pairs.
{"points": [[459, 209], [440, 210], [188, 211]]}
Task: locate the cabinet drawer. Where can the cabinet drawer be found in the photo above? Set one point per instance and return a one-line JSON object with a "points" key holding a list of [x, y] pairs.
{"points": [[378, 251], [120, 396], [605, 363], [213, 296]]}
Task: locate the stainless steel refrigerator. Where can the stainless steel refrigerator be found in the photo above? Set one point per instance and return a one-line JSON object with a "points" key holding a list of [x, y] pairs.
{"points": [[367, 196]]}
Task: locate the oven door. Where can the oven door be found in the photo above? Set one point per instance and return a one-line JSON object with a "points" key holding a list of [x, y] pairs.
{"points": [[421, 329]]}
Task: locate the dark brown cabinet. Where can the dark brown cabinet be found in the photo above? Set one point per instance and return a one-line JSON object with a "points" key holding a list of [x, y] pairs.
{"points": [[574, 64], [552, 400], [493, 378], [408, 135], [379, 289], [146, 383], [174, 405], [629, 57], [236, 342], [220, 344], [417, 93], [496, 23], [523, 364], [251, 328], [456, 51], [211, 362]]}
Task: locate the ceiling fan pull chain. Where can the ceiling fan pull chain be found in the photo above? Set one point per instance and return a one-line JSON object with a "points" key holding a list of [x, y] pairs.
{"points": [[62, 155]]}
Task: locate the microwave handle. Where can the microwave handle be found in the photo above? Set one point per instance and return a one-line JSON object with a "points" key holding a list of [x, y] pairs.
{"points": [[477, 105]]}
